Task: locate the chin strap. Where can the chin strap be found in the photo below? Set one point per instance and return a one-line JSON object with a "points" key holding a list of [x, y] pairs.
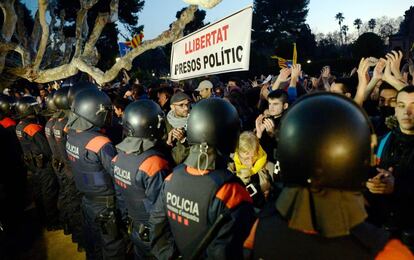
{"points": [[203, 152]]}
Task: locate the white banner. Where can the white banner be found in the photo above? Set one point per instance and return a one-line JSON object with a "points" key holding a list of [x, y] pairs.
{"points": [[223, 46]]}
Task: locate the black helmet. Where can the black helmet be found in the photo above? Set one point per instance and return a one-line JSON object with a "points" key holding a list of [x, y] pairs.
{"points": [[61, 98], [6, 103], [27, 106], [50, 103], [325, 140], [79, 87], [143, 118], [214, 121], [92, 105]]}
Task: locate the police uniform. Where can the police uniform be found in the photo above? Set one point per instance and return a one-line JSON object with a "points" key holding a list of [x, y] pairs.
{"points": [[12, 182], [140, 178], [70, 195], [90, 154], [365, 241], [192, 203], [320, 212], [209, 211], [37, 156]]}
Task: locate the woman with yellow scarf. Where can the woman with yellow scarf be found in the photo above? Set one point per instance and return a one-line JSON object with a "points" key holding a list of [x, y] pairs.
{"points": [[249, 165]]}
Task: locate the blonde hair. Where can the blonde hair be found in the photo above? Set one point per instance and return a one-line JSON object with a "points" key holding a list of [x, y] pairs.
{"points": [[248, 141]]}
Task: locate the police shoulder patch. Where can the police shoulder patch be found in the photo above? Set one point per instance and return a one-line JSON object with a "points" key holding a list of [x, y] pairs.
{"points": [[153, 164], [96, 143], [32, 129]]}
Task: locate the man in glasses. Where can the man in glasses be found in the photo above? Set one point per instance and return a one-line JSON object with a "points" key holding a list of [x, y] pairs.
{"points": [[176, 125]]}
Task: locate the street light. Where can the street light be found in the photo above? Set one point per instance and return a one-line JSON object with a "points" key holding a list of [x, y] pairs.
{"points": [[308, 61]]}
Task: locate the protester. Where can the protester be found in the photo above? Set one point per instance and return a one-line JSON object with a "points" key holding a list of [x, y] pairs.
{"points": [[176, 126], [267, 124], [205, 89], [251, 166], [391, 187]]}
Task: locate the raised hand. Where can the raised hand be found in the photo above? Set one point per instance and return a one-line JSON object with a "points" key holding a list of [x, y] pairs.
{"points": [[363, 80], [326, 72], [379, 68], [296, 72], [259, 126], [395, 62], [282, 77]]}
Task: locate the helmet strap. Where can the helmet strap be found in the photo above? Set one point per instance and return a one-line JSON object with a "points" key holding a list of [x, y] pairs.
{"points": [[203, 152]]}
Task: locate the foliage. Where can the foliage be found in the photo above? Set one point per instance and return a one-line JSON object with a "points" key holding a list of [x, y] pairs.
{"points": [[278, 21], [367, 45]]}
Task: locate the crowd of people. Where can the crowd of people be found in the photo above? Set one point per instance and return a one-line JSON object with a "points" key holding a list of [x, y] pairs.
{"points": [[286, 166]]}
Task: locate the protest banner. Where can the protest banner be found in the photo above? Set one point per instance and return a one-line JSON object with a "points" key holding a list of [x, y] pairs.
{"points": [[221, 47]]}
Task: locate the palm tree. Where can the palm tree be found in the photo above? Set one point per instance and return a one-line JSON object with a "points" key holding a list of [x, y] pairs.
{"points": [[358, 23], [340, 17], [344, 30], [371, 24]]}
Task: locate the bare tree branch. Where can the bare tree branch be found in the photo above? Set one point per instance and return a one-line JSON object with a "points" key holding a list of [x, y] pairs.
{"points": [[36, 33], [114, 11], [126, 61], [9, 25], [45, 34], [21, 32], [83, 63], [69, 42], [204, 3], [101, 20], [82, 24], [11, 46]]}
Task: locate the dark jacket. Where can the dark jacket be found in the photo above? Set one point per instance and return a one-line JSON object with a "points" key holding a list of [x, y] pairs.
{"points": [[395, 210], [188, 206], [180, 151]]}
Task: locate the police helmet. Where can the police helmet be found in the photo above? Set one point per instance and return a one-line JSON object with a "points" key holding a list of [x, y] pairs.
{"points": [[92, 105], [50, 103], [77, 88], [215, 122], [61, 98], [325, 140], [27, 106], [143, 118], [6, 103]]}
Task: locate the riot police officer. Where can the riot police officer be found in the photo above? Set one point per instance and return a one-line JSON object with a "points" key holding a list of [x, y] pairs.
{"points": [[12, 180], [37, 157], [90, 154], [140, 167], [71, 197], [201, 200], [325, 150]]}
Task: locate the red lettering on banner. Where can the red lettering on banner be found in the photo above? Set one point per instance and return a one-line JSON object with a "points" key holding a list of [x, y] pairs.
{"points": [[209, 39]]}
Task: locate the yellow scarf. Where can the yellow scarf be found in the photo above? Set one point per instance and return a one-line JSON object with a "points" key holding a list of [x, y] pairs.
{"points": [[258, 165]]}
